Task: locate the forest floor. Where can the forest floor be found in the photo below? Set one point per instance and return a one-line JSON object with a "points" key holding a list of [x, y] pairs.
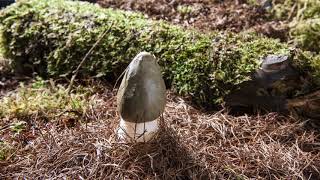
{"points": [[208, 15], [47, 133]]}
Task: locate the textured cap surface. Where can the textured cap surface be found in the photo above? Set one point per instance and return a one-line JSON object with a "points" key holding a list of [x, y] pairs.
{"points": [[274, 59], [275, 63], [141, 95]]}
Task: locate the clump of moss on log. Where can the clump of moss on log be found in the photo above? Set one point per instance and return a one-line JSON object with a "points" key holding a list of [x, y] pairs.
{"points": [[304, 21], [52, 36]]}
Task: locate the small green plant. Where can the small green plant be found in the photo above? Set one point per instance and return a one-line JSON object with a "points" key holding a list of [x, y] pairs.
{"points": [[184, 10], [17, 127], [39, 83]]}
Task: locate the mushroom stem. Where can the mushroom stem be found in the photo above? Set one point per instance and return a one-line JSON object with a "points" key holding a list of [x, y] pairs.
{"points": [[137, 132]]}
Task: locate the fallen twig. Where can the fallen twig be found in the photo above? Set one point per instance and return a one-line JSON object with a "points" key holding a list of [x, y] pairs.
{"points": [[86, 56]]}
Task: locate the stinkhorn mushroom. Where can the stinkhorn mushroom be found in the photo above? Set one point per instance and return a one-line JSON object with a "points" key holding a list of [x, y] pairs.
{"points": [[141, 99]]}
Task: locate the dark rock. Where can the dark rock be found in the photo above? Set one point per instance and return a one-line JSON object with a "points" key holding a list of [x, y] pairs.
{"points": [[269, 87]]}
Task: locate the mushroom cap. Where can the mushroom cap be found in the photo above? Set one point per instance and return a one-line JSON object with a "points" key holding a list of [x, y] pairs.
{"points": [[273, 63], [273, 59], [141, 96]]}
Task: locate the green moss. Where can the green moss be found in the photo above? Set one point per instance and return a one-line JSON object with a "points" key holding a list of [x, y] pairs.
{"points": [[42, 98], [52, 36], [295, 9], [1, 45], [1, 53], [309, 65], [304, 21], [306, 34], [5, 68], [5, 150]]}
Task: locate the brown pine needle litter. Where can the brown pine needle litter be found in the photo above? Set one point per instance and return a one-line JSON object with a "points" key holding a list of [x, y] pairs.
{"points": [[190, 145]]}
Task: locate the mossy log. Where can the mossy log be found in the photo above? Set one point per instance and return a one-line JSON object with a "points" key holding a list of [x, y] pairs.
{"points": [[51, 37]]}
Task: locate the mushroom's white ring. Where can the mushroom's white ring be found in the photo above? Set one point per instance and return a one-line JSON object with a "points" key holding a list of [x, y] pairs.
{"points": [[137, 132]]}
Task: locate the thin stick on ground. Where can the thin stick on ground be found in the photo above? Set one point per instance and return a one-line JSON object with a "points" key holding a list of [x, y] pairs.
{"points": [[86, 57]]}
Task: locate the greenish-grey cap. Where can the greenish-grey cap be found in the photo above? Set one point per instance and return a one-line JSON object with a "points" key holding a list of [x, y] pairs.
{"points": [[142, 94]]}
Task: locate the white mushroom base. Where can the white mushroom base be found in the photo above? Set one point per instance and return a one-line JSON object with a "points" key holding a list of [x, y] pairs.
{"points": [[137, 132]]}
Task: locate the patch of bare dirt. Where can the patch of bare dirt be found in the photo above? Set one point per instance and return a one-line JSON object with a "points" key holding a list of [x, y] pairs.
{"points": [[207, 15]]}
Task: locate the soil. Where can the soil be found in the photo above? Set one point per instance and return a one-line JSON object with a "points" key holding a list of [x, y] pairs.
{"points": [[208, 15]]}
